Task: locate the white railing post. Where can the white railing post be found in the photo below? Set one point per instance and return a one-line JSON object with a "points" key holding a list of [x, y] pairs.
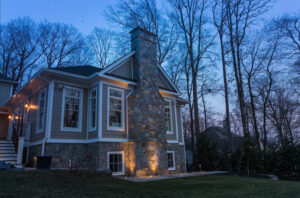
{"points": [[10, 129], [28, 131], [20, 150]]}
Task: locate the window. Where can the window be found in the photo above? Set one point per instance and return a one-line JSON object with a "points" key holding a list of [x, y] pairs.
{"points": [[92, 109], [171, 160], [115, 162], [115, 109], [72, 109], [41, 111], [168, 114]]}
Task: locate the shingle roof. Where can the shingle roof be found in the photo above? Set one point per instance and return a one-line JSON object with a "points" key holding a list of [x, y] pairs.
{"points": [[83, 70], [3, 77]]}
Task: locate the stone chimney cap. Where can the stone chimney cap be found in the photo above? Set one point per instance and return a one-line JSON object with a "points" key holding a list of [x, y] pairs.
{"points": [[143, 30]]}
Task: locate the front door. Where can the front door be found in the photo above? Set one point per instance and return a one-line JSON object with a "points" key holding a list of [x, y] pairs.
{"points": [[4, 123]]}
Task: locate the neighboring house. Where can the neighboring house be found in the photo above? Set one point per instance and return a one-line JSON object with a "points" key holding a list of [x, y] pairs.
{"points": [[7, 86], [125, 117]]}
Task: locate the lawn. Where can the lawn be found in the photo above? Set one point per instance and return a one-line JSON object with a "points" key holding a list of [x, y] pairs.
{"points": [[94, 184]]}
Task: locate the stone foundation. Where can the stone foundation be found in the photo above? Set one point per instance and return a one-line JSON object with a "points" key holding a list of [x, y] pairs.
{"points": [[180, 161], [141, 159], [33, 152]]}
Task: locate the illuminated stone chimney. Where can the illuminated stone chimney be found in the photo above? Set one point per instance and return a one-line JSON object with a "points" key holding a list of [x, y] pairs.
{"points": [[146, 106]]}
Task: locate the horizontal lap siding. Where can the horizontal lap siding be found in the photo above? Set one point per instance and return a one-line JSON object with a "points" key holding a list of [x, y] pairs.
{"points": [[109, 133], [56, 132], [163, 82], [125, 70], [4, 93], [33, 119]]}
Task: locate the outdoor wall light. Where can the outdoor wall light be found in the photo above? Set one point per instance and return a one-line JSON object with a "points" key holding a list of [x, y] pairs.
{"points": [[10, 117], [26, 105], [17, 117]]}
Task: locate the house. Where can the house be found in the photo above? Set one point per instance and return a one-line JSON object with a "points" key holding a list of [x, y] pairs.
{"points": [[6, 89], [125, 117]]}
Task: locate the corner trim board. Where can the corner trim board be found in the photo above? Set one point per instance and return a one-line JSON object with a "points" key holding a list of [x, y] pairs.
{"points": [[49, 108]]}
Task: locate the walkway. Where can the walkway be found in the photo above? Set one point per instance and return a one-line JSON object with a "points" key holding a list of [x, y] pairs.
{"points": [[172, 176]]}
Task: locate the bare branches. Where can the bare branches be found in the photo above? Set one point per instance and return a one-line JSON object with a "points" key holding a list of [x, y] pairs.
{"points": [[58, 41], [145, 14], [100, 41]]}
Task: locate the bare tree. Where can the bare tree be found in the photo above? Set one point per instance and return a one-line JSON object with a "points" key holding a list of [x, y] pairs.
{"points": [[101, 41], [283, 113], [190, 17], [290, 25], [19, 48], [58, 42], [145, 14], [219, 17], [240, 15]]}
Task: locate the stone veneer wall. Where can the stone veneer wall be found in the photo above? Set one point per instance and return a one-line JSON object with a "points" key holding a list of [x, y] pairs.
{"points": [[146, 126], [33, 152], [136, 155], [180, 161]]}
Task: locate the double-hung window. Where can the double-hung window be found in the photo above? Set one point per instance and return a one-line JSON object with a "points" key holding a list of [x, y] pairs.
{"points": [[115, 109], [115, 162], [171, 160], [92, 109], [41, 111], [168, 116], [72, 109]]}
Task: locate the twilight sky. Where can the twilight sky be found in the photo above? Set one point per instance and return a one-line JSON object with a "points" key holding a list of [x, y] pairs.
{"points": [[86, 14]]}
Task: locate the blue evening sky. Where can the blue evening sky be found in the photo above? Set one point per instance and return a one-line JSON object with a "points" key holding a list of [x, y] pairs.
{"points": [[86, 14]]}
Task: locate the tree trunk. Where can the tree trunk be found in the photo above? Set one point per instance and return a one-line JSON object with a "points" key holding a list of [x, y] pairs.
{"points": [[253, 112], [204, 110]]}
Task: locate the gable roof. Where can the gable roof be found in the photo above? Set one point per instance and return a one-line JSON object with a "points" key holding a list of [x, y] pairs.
{"points": [[6, 79], [115, 70], [117, 62], [84, 70]]}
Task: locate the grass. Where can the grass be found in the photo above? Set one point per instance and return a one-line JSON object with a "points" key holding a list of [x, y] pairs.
{"points": [[94, 184]]}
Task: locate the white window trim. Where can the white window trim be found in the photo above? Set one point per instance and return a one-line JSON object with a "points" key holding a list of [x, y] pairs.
{"points": [[122, 128], [123, 162], [171, 116], [174, 165], [90, 128], [70, 129], [38, 112]]}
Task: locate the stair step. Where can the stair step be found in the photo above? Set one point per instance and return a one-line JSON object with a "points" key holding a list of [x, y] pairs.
{"points": [[6, 145], [6, 141], [14, 162], [4, 151], [8, 155], [8, 158], [7, 152]]}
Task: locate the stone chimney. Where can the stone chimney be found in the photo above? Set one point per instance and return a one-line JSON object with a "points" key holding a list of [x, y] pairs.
{"points": [[146, 119]]}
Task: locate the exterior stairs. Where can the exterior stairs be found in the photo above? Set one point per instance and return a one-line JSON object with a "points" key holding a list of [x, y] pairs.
{"points": [[7, 152]]}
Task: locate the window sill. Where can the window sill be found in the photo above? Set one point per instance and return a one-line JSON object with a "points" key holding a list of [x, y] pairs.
{"points": [[39, 131], [77, 130], [118, 173], [173, 168], [115, 129], [169, 132], [92, 130]]}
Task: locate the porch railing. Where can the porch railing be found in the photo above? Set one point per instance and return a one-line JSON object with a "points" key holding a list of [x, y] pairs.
{"points": [[21, 131]]}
